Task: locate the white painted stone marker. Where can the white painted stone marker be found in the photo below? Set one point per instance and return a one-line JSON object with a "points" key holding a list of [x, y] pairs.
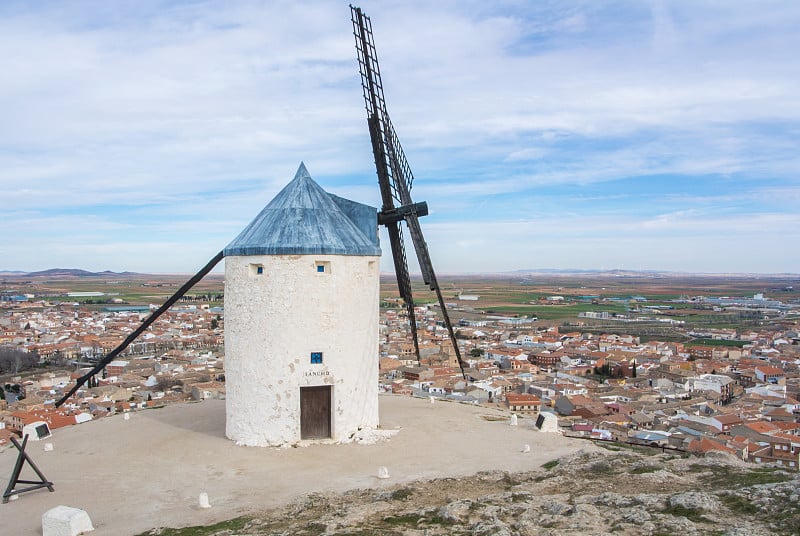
{"points": [[547, 422], [433, 399], [65, 521], [127, 416], [48, 447], [383, 472], [513, 419], [204, 500], [526, 448]]}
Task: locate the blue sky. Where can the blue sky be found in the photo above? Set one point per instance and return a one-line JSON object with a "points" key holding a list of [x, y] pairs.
{"points": [[144, 135]]}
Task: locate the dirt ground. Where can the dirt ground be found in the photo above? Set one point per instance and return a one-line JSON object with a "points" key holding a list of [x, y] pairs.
{"points": [[148, 471]]}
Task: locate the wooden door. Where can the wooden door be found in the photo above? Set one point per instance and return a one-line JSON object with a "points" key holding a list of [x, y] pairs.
{"points": [[315, 412]]}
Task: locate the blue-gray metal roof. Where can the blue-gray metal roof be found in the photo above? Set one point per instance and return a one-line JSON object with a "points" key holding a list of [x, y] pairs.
{"points": [[304, 219]]}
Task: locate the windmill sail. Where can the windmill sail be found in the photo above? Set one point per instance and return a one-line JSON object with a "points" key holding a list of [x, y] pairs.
{"points": [[395, 180], [142, 327]]}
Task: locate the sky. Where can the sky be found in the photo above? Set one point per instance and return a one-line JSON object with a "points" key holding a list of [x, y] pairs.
{"points": [[144, 135]]}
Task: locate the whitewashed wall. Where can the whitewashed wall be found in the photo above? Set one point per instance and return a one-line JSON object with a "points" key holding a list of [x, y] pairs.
{"points": [[275, 320]]}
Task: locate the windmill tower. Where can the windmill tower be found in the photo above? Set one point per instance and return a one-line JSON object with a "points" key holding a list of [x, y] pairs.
{"points": [[301, 319]]}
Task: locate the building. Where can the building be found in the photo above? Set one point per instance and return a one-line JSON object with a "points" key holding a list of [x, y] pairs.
{"points": [[772, 375], [701, 352], [717, 383], [523, 403], [301, 319]]}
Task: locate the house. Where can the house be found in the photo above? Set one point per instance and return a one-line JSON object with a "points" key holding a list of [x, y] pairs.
{"points": [[724, 422], [640, 420], [523, 403], [17, 420], [503, 355], [779, 414], [701, 352], [208, 390], [493, 390], [5, 437], [416, 373], [703, 445], [481, 395], [772, 375], [116, 368], [774, 455], [719, 384], [400, 388]]}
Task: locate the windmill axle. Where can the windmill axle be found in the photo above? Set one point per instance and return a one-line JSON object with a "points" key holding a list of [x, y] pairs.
{"points": [[393, 215]]}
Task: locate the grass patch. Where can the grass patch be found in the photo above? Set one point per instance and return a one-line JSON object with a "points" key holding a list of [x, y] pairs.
{"points": [[717, 342], [416, 520], [644, 469], [401, 494], [692, 514], [438, 520], [601, 468], [613, 446], [233, 525], [495, 418], [549, 465], [725, 476], [738, 505], [405, 519], [555, 312]]}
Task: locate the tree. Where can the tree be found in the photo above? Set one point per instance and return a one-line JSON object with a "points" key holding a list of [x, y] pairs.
{"points": [[476, 352], [214, 323], [167, 383], [15, 361], [633, 373]]}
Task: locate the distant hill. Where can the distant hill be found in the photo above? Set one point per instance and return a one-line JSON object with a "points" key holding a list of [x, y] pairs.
{"points": [[645, 273], [72, 272]]}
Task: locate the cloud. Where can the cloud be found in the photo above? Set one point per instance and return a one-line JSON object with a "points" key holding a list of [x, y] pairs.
{"points": [[163, 115]]}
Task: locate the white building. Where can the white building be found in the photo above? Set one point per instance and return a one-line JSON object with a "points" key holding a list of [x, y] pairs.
{"points": [[301, 319]]}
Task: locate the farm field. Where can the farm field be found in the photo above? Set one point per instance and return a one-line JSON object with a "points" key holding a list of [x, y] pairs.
{"points": [[552, 298]]}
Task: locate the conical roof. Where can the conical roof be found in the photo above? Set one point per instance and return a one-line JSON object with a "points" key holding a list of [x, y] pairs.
{"points": [[304, 219]]}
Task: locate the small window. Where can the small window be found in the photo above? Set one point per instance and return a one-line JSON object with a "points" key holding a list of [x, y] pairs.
{"points": [[257, 269], [322, 267], [316, 358]]}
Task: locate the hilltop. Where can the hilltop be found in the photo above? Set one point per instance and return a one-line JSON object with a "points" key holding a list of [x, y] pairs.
{"points": [[133, 475], [618, 490]]}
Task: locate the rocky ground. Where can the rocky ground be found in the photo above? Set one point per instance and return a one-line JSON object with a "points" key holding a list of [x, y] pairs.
{"points": [[620, 490]]}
